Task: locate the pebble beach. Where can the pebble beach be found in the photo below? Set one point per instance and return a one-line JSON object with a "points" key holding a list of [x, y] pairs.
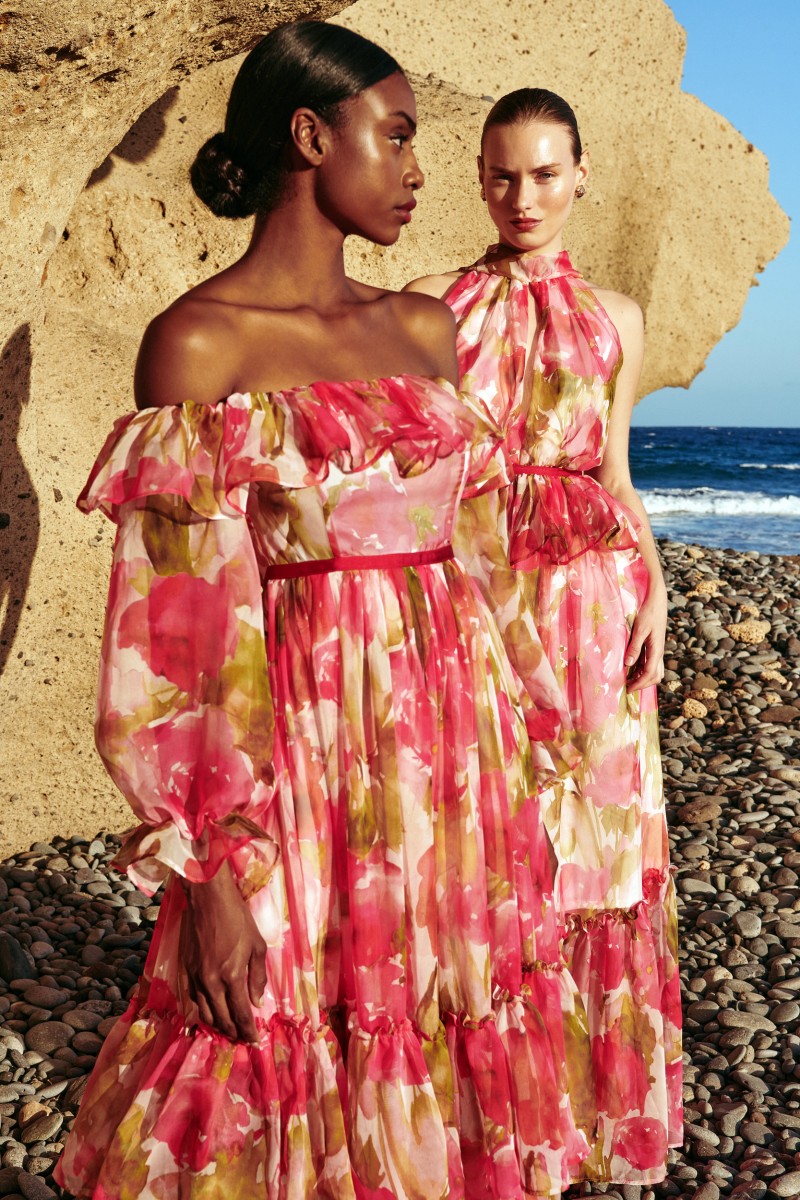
{"points": [[74, 933]]}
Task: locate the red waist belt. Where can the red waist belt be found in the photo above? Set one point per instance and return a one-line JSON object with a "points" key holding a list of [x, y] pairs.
{"points": [[359, 562], [520, 469]]}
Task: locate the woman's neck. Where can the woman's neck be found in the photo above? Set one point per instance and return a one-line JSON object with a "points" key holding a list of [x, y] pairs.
{"points": [[295, 259], [551, 250]]}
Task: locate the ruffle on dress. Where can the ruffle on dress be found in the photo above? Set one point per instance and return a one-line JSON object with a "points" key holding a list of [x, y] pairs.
{"points": [[625, 963], [347, 1104], [209, 454], [556, 516], [473, 1111]]}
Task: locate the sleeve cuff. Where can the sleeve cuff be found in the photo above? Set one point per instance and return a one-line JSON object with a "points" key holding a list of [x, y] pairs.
{"points": [[152, 852]]}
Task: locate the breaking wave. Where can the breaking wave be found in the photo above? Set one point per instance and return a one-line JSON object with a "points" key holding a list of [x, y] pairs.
{"points": [[702, 500]]}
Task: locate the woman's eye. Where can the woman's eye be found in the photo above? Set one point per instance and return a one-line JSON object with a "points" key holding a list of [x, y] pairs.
{"points": [[401, 139], [547, 175]]}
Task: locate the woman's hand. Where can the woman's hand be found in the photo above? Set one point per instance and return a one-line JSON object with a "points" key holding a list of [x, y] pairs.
{"points": [[644, 658], [224, 956]]}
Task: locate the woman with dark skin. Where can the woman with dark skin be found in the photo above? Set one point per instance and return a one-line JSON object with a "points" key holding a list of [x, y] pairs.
{"points": [[287, 314], [353, 988]]}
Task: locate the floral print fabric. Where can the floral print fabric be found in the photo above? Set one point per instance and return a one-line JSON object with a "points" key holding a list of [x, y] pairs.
{"points": [[556, 558], [353, 744]]}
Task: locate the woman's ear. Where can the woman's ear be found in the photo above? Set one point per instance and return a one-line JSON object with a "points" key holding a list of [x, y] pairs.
{"points": [[582, 169], [309, 135], [480, 176]]}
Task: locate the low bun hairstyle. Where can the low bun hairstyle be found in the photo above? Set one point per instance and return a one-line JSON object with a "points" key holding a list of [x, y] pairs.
{"points": [[306, 64], [535, 104], [220, 182]]}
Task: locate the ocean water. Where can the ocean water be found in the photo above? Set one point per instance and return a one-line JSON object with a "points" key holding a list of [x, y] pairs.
{"points": [[735, 488]]}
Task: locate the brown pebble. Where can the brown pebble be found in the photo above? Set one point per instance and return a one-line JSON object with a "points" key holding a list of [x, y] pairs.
{"points": [[82, 1019], [8, 1179], [34, 1188], [42, 1129], [780, 714], [750, 632], [87, 1042], [45, 997], [74, 1092], [30, 1110], [49, 1036], [699, 812]]}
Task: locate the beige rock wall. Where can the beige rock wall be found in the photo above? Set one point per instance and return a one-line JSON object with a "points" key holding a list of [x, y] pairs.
{"points": [[678, 215], [73, 80]]}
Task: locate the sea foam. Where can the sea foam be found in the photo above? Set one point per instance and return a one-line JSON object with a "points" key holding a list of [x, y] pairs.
{"points": [[771, 466], [661, 501]]}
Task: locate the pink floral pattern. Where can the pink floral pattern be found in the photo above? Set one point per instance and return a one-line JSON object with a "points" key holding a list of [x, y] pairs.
{"points": [[556, 558], [353, 743]]}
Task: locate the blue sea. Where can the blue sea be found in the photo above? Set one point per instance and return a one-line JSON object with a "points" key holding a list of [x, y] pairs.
{"points": [[735, 488]]}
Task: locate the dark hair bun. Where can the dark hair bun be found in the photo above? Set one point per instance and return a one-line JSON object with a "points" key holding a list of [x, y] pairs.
{"points": [[220, 182]]}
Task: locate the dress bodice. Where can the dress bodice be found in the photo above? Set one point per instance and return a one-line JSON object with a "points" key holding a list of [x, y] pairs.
{"points": [[365, 493], [326, 469], [539, 349]]}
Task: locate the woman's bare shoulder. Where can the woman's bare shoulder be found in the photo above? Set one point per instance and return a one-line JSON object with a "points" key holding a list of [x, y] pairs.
{"points": [[623, 310], [187, 353], [429, 324], [433, 285]]}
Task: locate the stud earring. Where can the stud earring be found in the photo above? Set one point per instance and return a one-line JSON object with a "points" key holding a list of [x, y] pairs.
{"points": [[580, 192]]}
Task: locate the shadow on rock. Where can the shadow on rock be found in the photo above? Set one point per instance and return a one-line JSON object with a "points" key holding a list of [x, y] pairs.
{"points": [[19, 504], [141, 139]]}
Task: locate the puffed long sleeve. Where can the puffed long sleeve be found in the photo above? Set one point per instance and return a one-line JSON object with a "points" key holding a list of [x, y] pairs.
{"points": [[184, 713]]}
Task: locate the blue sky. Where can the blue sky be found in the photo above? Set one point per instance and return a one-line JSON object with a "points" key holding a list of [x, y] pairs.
{"points": [[742, 60]]}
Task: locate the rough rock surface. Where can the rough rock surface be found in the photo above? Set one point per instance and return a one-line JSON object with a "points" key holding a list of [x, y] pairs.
{"points": [[104, 111], [81, 931]]}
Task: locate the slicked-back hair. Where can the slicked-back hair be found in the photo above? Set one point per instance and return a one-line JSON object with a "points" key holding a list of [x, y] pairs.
{"points": [[305, 64], [534, 104]]}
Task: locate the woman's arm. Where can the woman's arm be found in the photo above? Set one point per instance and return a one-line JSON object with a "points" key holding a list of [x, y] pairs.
{"points": [[645, 655], [224, 955], [184, 715]]}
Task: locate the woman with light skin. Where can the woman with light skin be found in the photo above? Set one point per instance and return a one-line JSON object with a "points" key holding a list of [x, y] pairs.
{"points": [[566, 559], [354, 988]]}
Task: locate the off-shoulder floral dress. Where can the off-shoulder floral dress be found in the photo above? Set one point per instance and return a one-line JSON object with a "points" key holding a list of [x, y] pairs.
{"points": [[557, 560], [297, 678]]}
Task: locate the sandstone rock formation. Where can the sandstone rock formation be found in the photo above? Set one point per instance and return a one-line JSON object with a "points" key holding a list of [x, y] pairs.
{"points": [[100, 231], [73, 79]]}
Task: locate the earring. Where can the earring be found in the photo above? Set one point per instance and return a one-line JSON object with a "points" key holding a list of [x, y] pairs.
{"points": [[580, 192]]}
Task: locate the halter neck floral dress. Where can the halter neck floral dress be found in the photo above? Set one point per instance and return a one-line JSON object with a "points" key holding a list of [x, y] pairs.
{"points": [[557, 560], [297, 678]]}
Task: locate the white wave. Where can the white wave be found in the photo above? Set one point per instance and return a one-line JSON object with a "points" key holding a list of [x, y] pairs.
{"points": [[666, 501], [772, 466]]}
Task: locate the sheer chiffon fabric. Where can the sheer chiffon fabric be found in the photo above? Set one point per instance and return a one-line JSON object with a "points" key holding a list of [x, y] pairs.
{"points": [[353, 744], [556, 557]]}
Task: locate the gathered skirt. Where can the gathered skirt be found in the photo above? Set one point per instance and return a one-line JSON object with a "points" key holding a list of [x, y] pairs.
{"points": [[421, 1035], [565, 609]]}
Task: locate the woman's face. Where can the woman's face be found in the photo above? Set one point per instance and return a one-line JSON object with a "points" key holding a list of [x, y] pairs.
{"points": [[529, 177], [367, 183]]}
